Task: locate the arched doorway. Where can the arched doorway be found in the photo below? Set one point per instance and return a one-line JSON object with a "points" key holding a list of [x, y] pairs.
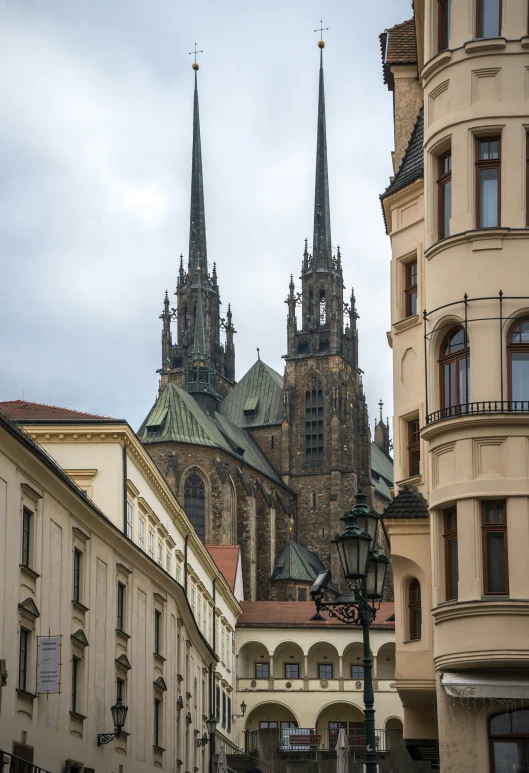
{"points": [[337, 715]]}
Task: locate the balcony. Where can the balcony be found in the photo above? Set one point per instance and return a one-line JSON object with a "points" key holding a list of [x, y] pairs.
{"points": [[11, 764], [482, 407], [302, 739]]}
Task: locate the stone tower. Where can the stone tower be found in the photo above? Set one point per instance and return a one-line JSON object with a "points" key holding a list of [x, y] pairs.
{"points": [[325, 433], [175, 355]]}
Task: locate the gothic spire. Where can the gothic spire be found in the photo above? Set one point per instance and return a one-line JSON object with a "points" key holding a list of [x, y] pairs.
{"points": [[322, 213], [197, 228], [199, 341]]}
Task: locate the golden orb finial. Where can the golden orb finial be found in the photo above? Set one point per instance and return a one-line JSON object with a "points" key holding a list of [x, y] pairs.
{"points": [[321, 44], [195, 66]]}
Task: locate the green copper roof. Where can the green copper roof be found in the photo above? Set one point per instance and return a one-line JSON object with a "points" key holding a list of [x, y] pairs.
{"points": [[297, 563], [381, 472], [177, 417], [257, 400]]}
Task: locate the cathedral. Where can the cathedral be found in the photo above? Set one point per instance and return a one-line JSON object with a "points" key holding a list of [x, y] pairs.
{"points": [[270, 462]]}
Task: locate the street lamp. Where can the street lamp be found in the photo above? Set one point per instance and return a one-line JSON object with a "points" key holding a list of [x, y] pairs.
{"points": [[235, 717], [211, 724], [119, 715], [365, 568]]}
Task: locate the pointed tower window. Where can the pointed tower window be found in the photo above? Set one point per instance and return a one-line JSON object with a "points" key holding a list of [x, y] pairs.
{"points": [[313, 421], [195, 503]]}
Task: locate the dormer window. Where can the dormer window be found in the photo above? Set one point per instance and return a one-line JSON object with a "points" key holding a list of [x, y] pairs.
{"points": [[250, 407]]}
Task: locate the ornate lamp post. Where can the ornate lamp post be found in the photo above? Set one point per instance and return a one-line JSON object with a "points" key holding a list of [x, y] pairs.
{"points": [[365, 569], [119, 715]]}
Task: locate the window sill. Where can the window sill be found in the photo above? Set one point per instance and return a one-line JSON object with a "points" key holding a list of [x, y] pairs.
{"points": [[410, 641], [79, 717], [435, 64], [80, 607], [414, 480], [159, 658], [485, 44], [159, 749], [121, 634], [30, 696], [407, 322], [31, 573], [524, 42]]}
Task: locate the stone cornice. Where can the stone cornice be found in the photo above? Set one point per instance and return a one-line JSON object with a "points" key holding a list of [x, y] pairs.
{"points": [[482, 658], [484, 607], [492, 236], [505, 420], [123, 434]]}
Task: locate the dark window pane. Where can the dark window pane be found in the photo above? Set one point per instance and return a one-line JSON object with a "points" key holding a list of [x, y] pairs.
{"points": [[325, 671], [520, 722], [494, 512], [451, 568], [357, 672], [501, 725], [488, 192], [291, 670], [195, 503], [412, 304], [447, 208], [520, 334], [511, 756], [495, 546], [490, 18], [520, 376], [445, 12], [415, 632], [262, 670]]}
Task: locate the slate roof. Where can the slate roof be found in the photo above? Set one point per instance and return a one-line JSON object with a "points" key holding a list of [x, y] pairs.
{"points": [[409, 503], [227, 558], [297, 614], [381, 472], [257, 400], [24, 412], [176, 416], [398, 46], [412, 164]]}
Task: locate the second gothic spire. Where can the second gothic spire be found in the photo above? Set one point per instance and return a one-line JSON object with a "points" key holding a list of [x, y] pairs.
{"points": [[197, 227], [322, 250]]}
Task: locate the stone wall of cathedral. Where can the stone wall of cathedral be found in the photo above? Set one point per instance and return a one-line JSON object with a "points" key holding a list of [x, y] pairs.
{"points": [[243, 506]]}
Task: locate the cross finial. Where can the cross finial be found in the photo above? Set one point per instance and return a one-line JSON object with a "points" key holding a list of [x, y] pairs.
{"points": [[258, 355], [321, 30], [194, 53], [381, 405]]}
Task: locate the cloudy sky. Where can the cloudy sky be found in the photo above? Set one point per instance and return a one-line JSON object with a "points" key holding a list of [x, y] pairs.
{"points": [[95, 155]]}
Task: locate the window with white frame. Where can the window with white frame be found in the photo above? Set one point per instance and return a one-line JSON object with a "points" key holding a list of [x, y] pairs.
{"points": [[178, 572], [160, 553], [129, 520], [168, 562], [193, 598], [204, 607], [199, 611], [141, 533], [151, 544]]}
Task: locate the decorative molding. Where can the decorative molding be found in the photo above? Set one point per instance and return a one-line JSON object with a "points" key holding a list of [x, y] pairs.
{"points": [[481, 79], [28, 608], [80, 534], [124, 568], [160, 684], [29, 572], [406, 323], [131, 488], [492, 45], [79, 638], [31, 492], [438, 102], [123, 662]]}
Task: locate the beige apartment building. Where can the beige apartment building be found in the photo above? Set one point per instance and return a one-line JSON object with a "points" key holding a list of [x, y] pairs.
{"points": [[456, 212], [104, 557]]}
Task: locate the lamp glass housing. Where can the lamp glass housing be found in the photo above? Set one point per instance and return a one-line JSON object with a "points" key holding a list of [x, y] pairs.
{"points": [[243, 708], [368, 522], [211, 724], [377, 568], [353, 549], [119, 713]]}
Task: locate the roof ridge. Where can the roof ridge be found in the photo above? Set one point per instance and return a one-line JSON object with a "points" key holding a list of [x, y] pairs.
{"points": [[58, 407]]}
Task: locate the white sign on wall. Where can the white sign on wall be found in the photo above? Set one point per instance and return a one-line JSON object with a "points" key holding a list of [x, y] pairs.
{"points": [[48, 664]]}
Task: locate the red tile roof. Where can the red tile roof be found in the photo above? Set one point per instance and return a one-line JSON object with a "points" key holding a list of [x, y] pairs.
{"points": [[226, 557], [402, 48], [293, 614], [398, 46], [25, 411]]}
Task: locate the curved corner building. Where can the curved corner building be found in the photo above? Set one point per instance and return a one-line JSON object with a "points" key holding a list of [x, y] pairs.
{"points": [[457, 213]]}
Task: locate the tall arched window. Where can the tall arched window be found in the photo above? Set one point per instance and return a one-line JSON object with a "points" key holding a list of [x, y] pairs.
{"points": [[414, 609], [518, 353], [313, 421], [323, 308], [509, 741], [195, 503], [454, 363]]}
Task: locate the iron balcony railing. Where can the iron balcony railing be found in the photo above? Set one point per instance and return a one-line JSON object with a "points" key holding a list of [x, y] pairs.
{"points": [[11, 764], [480, 407], [325, 739]]}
